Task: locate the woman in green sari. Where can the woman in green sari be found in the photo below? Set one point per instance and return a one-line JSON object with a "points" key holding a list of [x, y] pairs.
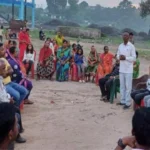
{"points": [[93, 61], [63, 65], [136, 69]]}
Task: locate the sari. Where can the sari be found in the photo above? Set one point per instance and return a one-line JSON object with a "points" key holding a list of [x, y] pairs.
{"points": [[59, 40], [73, 68], [136, 69], [24, 40], [62, 70], [45, 66], [91, 69], [107, 62], [18, 76]]}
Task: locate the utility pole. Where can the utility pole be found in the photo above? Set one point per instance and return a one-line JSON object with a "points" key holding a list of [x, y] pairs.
{"points": [[25, 10]]}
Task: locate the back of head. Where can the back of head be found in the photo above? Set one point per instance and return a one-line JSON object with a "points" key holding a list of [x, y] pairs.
{"points": [[7, 121], [141, 126], [12, 49]]}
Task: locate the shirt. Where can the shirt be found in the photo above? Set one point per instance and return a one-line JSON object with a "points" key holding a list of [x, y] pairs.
{"points": [[4, 96], [148, 84], [7, 79], [78, 59], [115, 71], [128, 50], [28, 56]]}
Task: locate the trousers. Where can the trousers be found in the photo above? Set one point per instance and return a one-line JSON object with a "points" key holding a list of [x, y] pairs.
{"points": [[125, 88]]}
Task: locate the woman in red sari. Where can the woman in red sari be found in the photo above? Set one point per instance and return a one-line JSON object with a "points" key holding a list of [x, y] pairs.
{"points": [[24, 40], [45, 66], [107, 60]]}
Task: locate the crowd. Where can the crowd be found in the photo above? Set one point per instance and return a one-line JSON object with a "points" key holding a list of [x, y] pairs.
{"points": [[69, 63]]}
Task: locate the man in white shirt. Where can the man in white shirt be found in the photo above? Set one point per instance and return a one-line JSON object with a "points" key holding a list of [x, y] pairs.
{"points": [[127, 55]]}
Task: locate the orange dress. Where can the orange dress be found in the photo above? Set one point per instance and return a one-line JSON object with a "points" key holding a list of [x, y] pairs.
{"points": [[107, 62]]}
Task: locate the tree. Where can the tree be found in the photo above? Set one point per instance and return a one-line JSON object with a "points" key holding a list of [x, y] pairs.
{"points": [[125, 4], [56, 7], [145, 8], [83, 5], [72, 11]]}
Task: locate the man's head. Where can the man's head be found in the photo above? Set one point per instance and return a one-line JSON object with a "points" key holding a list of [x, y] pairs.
{"points": [[2, 51], [131, 35], [8, 123], [141, 127], [126, 37]]}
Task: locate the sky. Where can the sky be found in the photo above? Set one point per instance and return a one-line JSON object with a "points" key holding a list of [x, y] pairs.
{"points": [[106, 3]]}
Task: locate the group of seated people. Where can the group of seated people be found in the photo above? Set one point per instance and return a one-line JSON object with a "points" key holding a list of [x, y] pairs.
{"points": [[15, 87]]}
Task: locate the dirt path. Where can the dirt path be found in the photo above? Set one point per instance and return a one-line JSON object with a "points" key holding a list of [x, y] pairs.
{"points": [[77, 120]]}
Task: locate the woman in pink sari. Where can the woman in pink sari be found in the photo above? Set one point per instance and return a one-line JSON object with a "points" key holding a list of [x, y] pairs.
{"points": [[73, 68]]}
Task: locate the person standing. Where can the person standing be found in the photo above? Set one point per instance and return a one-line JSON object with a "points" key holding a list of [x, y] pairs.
{"points": [[23, 42], [127, 56], [131, 38]]}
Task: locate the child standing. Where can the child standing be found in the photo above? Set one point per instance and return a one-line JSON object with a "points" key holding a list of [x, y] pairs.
{"points": [[29, 57], [79, 61]]}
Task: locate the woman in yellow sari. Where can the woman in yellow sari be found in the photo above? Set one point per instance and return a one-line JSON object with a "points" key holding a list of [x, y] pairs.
{"points": [[59, 39]]}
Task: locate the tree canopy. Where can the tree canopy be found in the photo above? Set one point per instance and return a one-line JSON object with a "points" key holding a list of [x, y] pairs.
{"points": [[145, 8]]}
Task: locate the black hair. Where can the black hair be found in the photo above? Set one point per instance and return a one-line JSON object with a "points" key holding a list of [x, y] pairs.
{"points": [[12, 49], [65, 41], [80, 49], [126, 32], [105, 47], [14, 42], [31, 51], [2, 27], [7, 120], [73, 45], [137, 54], [27, 29], [141, 126], [1, 44], [47, 39], [131, 33], [10, 41]]}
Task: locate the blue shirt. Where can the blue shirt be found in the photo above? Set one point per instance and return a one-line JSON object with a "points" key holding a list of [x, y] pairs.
{"points": [[78, 59]]}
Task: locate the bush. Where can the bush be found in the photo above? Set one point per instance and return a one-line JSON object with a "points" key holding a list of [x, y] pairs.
{"points": [[106, 30], [129, 30], [143, 34]]}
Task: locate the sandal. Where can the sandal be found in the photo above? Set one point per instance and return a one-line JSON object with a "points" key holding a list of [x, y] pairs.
{"points": [[28, 102]]}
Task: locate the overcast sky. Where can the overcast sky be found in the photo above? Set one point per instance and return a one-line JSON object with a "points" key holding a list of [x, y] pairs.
{"points": [[107, 3]]}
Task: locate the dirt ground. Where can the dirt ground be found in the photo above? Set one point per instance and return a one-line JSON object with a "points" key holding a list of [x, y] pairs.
{"points": [[77, 120]]}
